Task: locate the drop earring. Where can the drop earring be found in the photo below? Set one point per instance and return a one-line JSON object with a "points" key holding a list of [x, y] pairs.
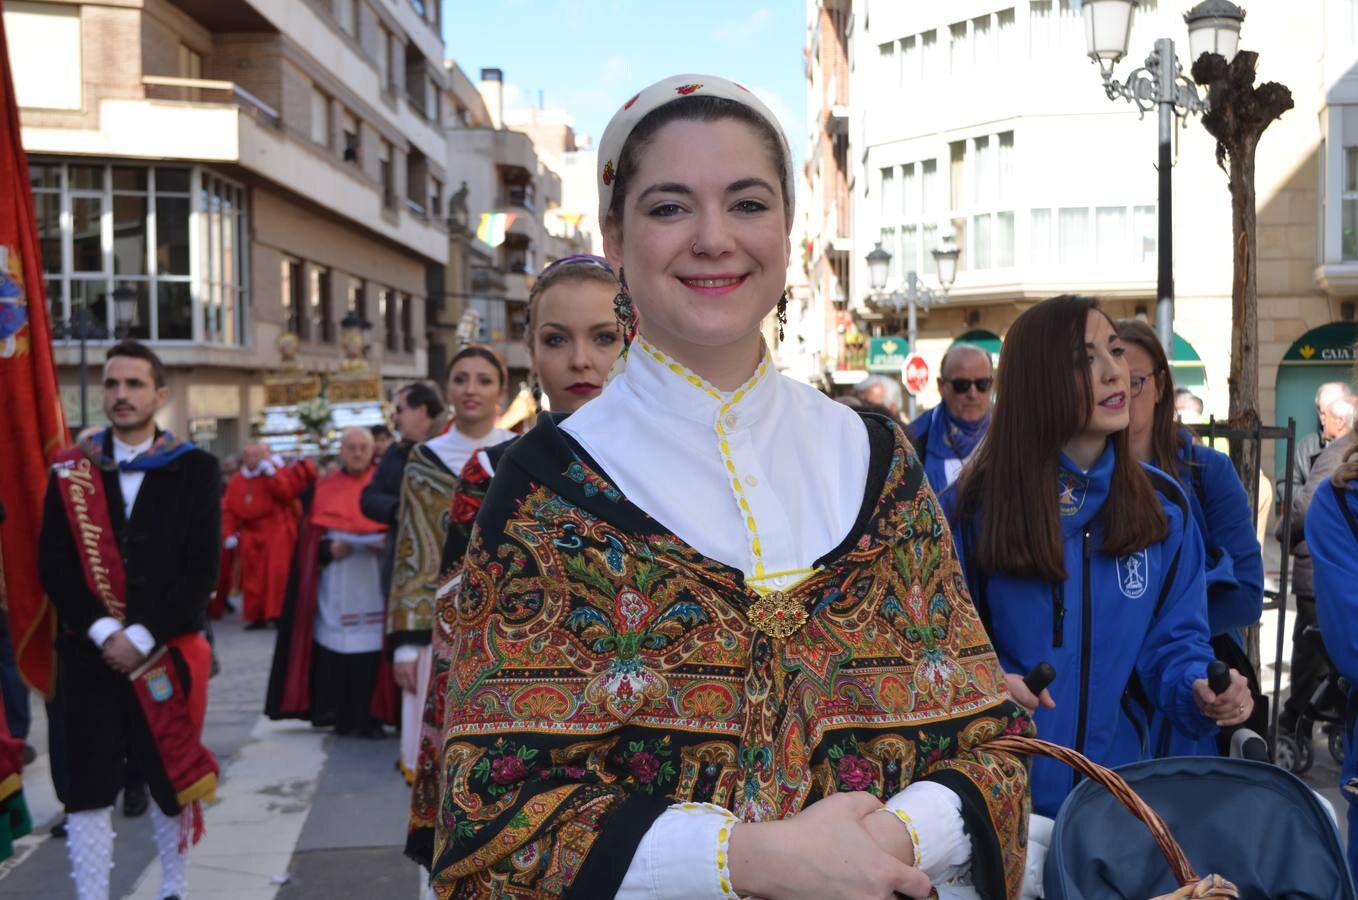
{"points": [[782, 315], [624, 311]]}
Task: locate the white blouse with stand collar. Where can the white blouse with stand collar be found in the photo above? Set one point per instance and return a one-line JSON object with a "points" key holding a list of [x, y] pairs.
{"points": [[767, 478]]}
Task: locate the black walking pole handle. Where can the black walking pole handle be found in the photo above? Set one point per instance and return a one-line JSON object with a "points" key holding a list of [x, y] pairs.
{"points": [[1042, 674], [1218, 676]]}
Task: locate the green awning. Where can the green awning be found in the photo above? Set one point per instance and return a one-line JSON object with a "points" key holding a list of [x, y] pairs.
{"points": [[988, 341], [1184, 354], [1331, 344]]}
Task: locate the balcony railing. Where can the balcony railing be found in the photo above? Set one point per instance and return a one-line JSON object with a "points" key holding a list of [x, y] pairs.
{"points": [[203, 90]]}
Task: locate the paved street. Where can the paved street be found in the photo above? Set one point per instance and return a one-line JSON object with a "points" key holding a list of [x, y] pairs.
{"points": [[299, 813]]}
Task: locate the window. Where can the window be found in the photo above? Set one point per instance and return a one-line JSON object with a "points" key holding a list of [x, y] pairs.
{"points": [[105, 229], [358, 297], [320, 118], [957, 167], [910, 205], [910, 61], [983, 51], [318, 294], [1004, 183], [384, 45], [1040, 229], [1005, 35], [292, 293], [190, 66], [1110, 235], [931, 196], [350, 135], [44, 54], [386, 174], [407, 322], [930, 66], [417, 81], [417, 182], [1072, 245], [887, 238], [387, 309], [1039, 27], [346, 14], [959, 57], [1349, 235], [888, 187], [887, 67], [981, 238], [435, 198], [1145, 231], [983, 161], [1003, 242]]}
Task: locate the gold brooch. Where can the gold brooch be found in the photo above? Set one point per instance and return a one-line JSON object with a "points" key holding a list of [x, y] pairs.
{"points": [[777, 614]]}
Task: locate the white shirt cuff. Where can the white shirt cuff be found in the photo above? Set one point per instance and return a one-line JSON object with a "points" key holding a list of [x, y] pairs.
{"points": [[406, 653], [102, 629], [231, 542], [682, 855], [933, 814], [140, 638]]}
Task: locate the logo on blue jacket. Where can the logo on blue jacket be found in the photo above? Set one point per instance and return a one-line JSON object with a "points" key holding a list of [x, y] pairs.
{"points": [[1133, 574], [1073, 492]]}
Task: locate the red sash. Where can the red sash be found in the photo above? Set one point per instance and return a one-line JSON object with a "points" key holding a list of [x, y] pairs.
{"points": [[173, 709]]}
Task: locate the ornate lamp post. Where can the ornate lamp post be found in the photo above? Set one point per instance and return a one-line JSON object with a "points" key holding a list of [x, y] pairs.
{"points": [[83, 327], [915, 295], [1160, 84]]}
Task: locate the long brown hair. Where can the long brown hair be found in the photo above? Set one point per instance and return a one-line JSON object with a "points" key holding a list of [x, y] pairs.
{"points": [[1164, 428], [1043, 392]]}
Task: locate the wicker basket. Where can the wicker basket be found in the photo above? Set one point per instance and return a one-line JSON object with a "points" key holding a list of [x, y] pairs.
{"points": [[1193, 886]]}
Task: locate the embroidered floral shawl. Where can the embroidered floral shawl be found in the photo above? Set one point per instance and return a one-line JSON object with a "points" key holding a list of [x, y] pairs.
{"points": [[426, 488], [602, 670]]}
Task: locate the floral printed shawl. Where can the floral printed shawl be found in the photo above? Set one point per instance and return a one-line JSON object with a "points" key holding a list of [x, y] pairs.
{"points": [[602, 670]]}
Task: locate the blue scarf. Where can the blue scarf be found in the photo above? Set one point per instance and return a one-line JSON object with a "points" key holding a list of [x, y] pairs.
{"points": [[959, 437], [164, 450]]}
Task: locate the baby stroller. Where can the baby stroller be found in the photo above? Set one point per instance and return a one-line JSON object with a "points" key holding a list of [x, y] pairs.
{"points": [[1259, 828], [1294, 750]]}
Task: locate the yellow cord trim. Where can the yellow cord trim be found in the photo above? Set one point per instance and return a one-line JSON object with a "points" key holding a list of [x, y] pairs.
{"points": [[914, 834], [752, 527]]}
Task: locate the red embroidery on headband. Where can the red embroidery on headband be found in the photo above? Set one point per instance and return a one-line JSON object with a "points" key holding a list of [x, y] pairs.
{"points": [[608, 173], [628, 104], [687, 89]]}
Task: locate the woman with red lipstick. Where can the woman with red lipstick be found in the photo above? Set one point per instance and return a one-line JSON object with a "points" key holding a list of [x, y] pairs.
{"points": [[475, 386], [710, 638], [573, 341], [1078, 555]]}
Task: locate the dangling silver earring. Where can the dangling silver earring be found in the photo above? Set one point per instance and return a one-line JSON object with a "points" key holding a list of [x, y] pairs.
{"points": [[624, 311], [782, 315], [534, 385]]}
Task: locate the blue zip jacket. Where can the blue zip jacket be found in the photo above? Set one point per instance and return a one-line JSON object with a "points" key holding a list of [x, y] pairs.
{"points": [[1124, 633], [1235, 564], [1332, 535]]}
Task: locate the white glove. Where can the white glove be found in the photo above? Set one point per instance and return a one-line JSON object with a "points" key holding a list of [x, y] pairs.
{"points": [[231, 542]]}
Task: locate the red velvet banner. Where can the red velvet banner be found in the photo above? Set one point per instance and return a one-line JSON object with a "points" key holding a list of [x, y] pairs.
{"points": [[30, 403]]}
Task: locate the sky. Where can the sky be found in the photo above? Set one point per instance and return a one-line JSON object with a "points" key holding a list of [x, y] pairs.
{"points": [[589, 56]]}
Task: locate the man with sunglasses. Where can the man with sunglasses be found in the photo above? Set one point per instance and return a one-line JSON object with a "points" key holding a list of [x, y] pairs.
{"points": [[947, 435]]}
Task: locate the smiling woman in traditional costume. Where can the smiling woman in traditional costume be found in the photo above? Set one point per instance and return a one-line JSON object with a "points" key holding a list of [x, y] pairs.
{"points": [[712, 638]]}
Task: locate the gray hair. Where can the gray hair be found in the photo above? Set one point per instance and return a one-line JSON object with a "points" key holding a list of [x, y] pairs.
{"points": [[962, 347], [1345, 407], [1335, 389], [891, 390]]}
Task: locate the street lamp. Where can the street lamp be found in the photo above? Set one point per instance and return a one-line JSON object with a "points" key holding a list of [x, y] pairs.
{"points": [[915, 295], [83, 327], [1213, 26]]}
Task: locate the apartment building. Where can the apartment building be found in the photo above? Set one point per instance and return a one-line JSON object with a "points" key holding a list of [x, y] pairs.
{"points": [[985, 120], [240, 169], [517, 197]]}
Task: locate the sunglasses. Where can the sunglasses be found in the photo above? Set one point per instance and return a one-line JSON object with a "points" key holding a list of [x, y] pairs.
{"points": [[963, 385]]}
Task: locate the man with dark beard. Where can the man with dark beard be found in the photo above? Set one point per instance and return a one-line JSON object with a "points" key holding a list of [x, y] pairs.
{"points": [[128, 554]]}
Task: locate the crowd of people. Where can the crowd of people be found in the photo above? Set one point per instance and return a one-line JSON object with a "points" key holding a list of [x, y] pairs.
{"points": [[701, 630]]}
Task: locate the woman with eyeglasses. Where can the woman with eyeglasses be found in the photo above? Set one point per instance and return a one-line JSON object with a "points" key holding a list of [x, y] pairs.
{"points": [[573, 341], [1079, 556], [946, 436], [1221, 509]]}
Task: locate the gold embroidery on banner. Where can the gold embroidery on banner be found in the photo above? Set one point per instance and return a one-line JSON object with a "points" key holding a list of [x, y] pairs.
{"points": [[81, 473]]}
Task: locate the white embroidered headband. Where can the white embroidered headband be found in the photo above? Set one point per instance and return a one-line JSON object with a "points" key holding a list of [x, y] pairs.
{"points": [[620, 127]]}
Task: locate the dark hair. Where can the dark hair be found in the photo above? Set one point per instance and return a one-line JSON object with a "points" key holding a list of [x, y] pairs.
{"points": [[570, 270], [1165, 431], [422, 393], [379, 431], [1042, 398], [137, 350], [696, 108], [478, 351]]}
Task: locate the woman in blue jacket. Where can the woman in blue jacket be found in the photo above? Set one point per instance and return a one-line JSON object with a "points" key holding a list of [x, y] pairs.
{"points": [[1079, 556], [1332, 535], [1221, 510]]}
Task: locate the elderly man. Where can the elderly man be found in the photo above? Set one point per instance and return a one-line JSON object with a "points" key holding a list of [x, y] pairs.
{"points": [[330, 642], [1309, 660], [1309, 447], [879, 390], [947, 435]]}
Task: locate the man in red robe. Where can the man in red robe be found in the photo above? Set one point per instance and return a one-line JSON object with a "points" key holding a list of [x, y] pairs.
{"points": [[329, 649], [259, 523]]}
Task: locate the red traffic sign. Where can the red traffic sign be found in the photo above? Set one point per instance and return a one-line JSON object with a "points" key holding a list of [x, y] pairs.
{"points": [[915, 373]]}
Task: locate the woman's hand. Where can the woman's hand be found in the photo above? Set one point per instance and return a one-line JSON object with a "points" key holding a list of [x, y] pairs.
{"points": [[825, 851], [405, 675], [1231, 707], [1026, 698], [339, 550]]}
